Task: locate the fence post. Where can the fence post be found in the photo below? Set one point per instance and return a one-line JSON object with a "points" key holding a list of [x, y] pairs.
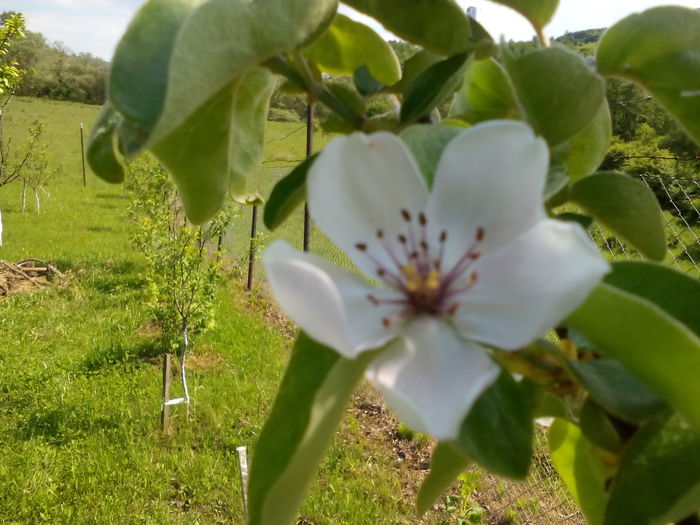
{"points": [[242, 453], [309, 152], [82, 154], [251, 253], [166, 392]]}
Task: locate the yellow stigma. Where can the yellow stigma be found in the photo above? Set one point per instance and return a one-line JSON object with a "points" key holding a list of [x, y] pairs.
{"points": [[416, 282]]}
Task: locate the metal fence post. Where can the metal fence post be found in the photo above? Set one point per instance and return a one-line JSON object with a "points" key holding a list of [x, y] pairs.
{"points": [[251, 253], [82, 154]]}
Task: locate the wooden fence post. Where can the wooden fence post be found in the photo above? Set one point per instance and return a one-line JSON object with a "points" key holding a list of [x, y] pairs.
{"points": [[251, 253], [309, 152], [82, 154], [166, 392]]}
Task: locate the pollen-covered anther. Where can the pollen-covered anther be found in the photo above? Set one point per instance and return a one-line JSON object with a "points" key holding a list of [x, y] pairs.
{"points": [[372, 299], [452, 310], [361, 246], [473, 278], [380, 234], [474, 256], [443, 236], [406, 215], [480, 234], [422, 219]]}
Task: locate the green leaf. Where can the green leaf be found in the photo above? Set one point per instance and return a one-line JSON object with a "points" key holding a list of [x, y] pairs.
{"points": [[626, 206], [581, 469], [348, 45], [431, 87], [100, 154], [659, 49], [415, 66], [598, 428], [215, 146], [659, 478], [583, 220], [223, 38], [438, 25], [445, 465], [486, 94], [675, 292], [427, 142], [287, 194], [613, 387], [310, 404], [650, 343], [556, 90], [587, 149], [538, 12], [251, 104], [497, 434], [139, 69], [365, 83]]}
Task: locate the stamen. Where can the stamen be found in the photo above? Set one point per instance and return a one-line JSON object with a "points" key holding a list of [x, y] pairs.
{"points": [[480, 234], [443, 236], [422, 219], [361, 246], [402, 239], [452, 310], [380, 234], [406, 215]]}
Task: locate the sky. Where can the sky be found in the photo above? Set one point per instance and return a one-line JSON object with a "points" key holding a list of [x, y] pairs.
{"points": [[95, 26]]}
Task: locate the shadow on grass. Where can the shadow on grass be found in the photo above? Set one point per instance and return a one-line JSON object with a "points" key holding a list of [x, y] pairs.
{"points": [[61, 426], [123, 354], [117, 196], [111, 277]]}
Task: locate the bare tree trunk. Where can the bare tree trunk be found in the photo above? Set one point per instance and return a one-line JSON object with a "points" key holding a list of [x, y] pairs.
{"points": [[24, 195], [36, 199]]}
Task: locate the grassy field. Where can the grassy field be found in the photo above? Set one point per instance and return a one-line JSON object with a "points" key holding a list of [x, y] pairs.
{"points": [[80, 376]]}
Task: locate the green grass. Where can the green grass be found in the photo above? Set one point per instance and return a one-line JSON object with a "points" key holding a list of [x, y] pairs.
{"points": [[80, 375]]}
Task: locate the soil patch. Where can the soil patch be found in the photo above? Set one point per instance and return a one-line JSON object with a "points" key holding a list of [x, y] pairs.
{"points": [[26, 275]]}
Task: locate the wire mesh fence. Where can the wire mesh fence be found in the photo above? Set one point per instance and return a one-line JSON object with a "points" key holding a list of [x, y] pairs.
{"points": [[542, 498]]}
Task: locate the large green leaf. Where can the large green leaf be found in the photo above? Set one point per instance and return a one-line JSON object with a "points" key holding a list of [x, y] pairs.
{"points": [[438, 25], [627, 207], [413, 67], [582, 470], [613, 387], [347, 45], [310, 404], [538, 12], [486, 94], [587, 149], [677, 293], [139, 70], [598, 428], [287, 194], [431, 87], [101, 155], [223, 38], [659, 478], [557, 91], [445, 465], [427, 142], [653, 345], [218, 144], [498, 432], [251, 104], [659, 49]]}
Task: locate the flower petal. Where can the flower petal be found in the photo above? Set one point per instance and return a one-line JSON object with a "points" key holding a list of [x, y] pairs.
{"points": [[491, 176], [431, 378], [328, 303], [359, 185], [529, 285]]}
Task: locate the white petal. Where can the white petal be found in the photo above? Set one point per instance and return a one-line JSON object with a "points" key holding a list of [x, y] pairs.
{"points": [[529, 285], [431, 378], [328, 303], [359, 185], [491, 176]]}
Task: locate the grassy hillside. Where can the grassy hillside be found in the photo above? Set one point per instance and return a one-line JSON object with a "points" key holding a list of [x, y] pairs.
{"points": [[80, 376]]}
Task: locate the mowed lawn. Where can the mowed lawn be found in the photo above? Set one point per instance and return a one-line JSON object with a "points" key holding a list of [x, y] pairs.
{"points": [[80, 373]]}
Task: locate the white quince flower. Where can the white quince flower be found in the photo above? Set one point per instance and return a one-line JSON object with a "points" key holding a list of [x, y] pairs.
{"points": [[474, 262]]}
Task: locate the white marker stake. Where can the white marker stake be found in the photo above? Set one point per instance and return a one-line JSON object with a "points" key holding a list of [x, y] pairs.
{"points": [[242, 453]]}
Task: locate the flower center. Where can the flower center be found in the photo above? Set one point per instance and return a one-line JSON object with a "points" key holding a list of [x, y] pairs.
{"points": [[417, 271]]}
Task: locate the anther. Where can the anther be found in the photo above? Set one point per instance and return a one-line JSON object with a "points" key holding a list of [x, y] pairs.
{"points": [[361, 246], [453, 309], [406, 215], [443, 236], [372, 299], [380, 234], [473, 278], [422, 219], [414, 255], [480, 234], [424, 246], [386, 322], [402, 239], [474, 256]]}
